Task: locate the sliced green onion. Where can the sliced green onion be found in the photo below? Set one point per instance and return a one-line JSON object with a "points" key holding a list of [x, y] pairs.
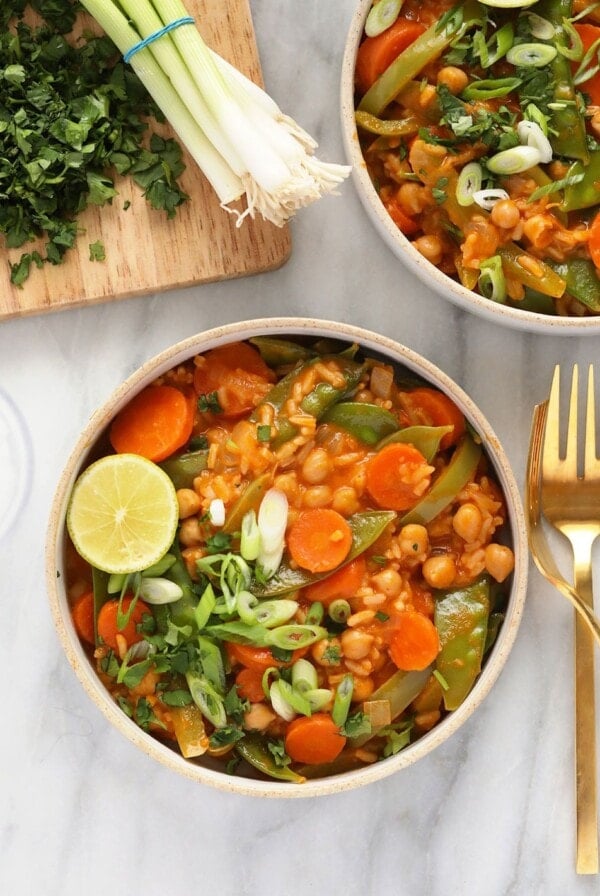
{"points": [[339, 610], [245, 603], [490, 89], [206, 698], [508, 4], [272, 523], [319, 698], [574, 51], [304, 676], [499, 44], [315, 614], [381, 16], [292, 637], [160, 567], [206, 605], [487, 199], [280, 705], [535, 114], [263, 432], [469, 182], [275, 612], [116, 581], [249, 536], [342, 700], [514, 160], [540, 27], [157, 591], [271, 672], [531, 55], [531, 134], [442, 681], [586, 69], [492, 283], [211, 660]]}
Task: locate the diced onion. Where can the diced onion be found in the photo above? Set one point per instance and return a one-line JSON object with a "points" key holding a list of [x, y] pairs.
{"points": [[487, 199], [216, 512]]}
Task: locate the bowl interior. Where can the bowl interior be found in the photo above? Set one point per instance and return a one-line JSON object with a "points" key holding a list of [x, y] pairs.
{"points": [[445, 286], [84, 450]]}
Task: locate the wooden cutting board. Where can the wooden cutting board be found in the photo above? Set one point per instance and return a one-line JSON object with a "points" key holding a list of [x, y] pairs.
{"points": [[145, 252]]}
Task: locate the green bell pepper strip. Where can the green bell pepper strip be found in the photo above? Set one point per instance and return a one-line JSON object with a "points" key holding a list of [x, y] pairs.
{"points": [[399, 690], [446, 487], [405, 127], [367, 422], [366, 529], [582, 281], [254, 750], [425, 439], [461, 620], [585, 193], [182, 470], [428, 47], [547, 281], [537, 302], [281, 352], [566, 131]]}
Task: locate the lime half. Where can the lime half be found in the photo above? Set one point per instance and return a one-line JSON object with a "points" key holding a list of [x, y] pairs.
{"points": [[123, 513]]}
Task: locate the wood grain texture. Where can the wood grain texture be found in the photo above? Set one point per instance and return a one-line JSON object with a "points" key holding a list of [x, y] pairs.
{"points": [[145, 252]]}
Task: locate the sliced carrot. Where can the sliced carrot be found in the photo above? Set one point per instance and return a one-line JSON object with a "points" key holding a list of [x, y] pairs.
{"points": [[108, 628], [589, 34], [238, 375], [415, 642], [375, 54], [249, 684], [433, 408], [341, 584], [396, 475], [258, 658], [154, 424], [314, 739], [403, 222], [594, 240], [82, 614], [319, 539]]}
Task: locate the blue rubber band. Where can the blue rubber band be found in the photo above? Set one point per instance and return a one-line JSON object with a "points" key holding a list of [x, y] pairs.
{"points": [[186, 20]]}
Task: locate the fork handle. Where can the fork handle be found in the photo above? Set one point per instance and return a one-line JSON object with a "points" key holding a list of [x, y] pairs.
{"points": [[585, 718]]}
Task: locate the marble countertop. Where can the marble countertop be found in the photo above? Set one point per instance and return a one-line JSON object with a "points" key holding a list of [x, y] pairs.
{"points": [[82, 811]]}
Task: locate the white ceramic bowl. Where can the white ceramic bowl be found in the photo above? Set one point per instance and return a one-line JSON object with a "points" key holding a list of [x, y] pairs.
{"points": [[439, 282], [55, 556]]}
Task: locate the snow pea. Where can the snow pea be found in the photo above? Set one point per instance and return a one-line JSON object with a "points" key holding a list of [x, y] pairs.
{"points": [[367, 422], [584, 193], [366, 529], [254, 750], [582, 281], [183, 469], [444, 490], [281, 352], [182, 610], [101, 595], [425, 439], [249, 500], [461, 619]]}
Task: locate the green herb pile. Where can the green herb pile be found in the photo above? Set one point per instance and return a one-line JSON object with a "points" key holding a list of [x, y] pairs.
{"points": [[72, 117]]}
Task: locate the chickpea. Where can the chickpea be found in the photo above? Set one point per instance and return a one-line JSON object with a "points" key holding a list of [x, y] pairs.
{"points": [[190, 533], [388, 581], [453, 78], [317, 466], [361, 668], [430, 247], [363, 688], [414, 198], [499, 561], [317, 496], [189, 502], [356, 644], [467, 522], [439, 571], [413, 540], [258, 717], [505, 214], [327, 652], [345, 500]]}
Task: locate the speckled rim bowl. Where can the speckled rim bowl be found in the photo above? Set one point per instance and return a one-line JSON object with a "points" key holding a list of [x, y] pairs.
{"points": [[55, 556], [401, 246]]}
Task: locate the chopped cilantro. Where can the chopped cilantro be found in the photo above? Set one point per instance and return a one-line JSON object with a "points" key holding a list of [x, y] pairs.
{"points": [[97, 251], [219, 542], [209, 401]]}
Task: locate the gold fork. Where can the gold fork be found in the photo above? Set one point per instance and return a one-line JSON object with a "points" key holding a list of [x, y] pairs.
{"points": [[572, 504]]}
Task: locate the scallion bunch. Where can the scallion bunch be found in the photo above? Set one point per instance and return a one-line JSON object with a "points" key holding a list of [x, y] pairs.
{"points": [[236, 133]]}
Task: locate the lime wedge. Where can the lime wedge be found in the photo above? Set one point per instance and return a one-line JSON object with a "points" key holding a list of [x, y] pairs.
{"points": [[123, 513]]}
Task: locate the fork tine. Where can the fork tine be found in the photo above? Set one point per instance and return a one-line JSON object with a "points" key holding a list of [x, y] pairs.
{"points": [[551, 444], [570, 460], [591, 463]]}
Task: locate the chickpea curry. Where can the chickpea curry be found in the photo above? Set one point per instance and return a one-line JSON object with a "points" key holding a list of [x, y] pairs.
{"points": [[479, 123], [339, 569]]}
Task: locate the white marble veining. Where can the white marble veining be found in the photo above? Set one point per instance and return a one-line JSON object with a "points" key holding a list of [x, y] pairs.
{"points": [[490, 813]]}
